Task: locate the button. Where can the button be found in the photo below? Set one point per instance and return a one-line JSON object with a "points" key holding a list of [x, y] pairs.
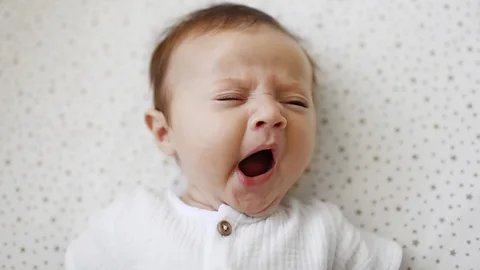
{"points": [[224, 228]]}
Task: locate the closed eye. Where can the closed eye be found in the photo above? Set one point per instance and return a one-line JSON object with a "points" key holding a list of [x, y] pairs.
{"points": [[298, 103], [230, 97]]}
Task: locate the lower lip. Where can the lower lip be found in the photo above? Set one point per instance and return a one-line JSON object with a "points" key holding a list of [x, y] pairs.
{"points": [[256, 181]]}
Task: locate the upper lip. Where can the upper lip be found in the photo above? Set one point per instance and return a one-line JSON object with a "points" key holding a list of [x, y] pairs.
{"points": [[268, 146]]}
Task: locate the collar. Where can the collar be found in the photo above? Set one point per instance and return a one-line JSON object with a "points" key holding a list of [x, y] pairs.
{"points": [[224, 212]]}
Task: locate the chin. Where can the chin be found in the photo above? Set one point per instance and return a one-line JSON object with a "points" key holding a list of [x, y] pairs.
{"points": [[263, 213], [257, 207]]}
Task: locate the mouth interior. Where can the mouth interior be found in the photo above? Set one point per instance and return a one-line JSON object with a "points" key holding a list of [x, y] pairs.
{"points": [[257, 163]]}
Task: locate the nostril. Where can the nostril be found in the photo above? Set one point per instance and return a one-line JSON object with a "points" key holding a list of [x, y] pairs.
{"points": [[260, 123]]}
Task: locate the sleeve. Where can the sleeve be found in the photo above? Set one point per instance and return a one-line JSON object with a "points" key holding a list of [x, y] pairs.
{"points": [[357, 249], [95, 248]]}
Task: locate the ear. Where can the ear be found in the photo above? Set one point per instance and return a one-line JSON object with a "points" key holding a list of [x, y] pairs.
{"points": [[160, 129]]}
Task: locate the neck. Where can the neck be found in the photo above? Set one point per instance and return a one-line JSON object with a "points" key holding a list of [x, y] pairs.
{"points": [[193, 197]]}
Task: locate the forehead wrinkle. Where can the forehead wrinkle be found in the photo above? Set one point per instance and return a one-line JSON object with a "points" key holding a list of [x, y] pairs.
{"points": [[231, 61], [273, 71]]}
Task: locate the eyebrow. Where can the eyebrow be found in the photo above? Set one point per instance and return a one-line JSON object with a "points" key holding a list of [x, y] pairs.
{"points": [[233, 81], [228, 80], [283, 87], [296, 85]]}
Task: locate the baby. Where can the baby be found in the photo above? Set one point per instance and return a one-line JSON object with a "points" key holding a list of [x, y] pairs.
{"points": [[233, 104]]}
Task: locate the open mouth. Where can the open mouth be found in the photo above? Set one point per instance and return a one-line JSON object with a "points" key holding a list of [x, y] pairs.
{"points": [[257, 164]]}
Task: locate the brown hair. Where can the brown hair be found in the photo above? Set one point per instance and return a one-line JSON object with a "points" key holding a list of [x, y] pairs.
{"points": [[217, 17]]}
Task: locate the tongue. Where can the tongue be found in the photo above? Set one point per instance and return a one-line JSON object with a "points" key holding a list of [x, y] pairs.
{"points": [[257, 164]]}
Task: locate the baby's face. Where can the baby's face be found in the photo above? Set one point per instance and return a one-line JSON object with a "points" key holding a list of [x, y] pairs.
{"points": [[234, 93]]}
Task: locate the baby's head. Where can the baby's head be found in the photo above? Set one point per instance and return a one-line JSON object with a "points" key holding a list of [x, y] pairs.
{"points": [[233, 97]]}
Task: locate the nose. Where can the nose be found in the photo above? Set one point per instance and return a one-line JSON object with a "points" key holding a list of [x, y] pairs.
{"points": [[268, 115]]}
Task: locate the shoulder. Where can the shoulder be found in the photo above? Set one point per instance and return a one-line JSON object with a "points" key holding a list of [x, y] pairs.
{"points": [[351, 244], [141, 197], [142, 200], [314, 210], [315, 216], [135, 202], [130, 208], [110, 230]]}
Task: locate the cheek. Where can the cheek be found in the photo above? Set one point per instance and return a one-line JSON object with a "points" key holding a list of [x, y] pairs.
{"points": [[209, 145], [301, 142]]}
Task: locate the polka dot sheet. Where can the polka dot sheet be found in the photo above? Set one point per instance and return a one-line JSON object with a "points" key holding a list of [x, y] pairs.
{"points": [[398, 119]]}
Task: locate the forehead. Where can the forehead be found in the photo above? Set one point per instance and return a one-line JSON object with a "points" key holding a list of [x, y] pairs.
{"points": [[253, 52]]}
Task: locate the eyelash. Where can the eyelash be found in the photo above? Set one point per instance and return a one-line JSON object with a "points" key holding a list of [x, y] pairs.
{"points": [[298, 103], [239, 98], [230, 98]]}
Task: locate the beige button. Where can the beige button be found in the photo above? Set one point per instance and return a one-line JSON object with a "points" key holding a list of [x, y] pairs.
{"points": [[224, 228]]}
